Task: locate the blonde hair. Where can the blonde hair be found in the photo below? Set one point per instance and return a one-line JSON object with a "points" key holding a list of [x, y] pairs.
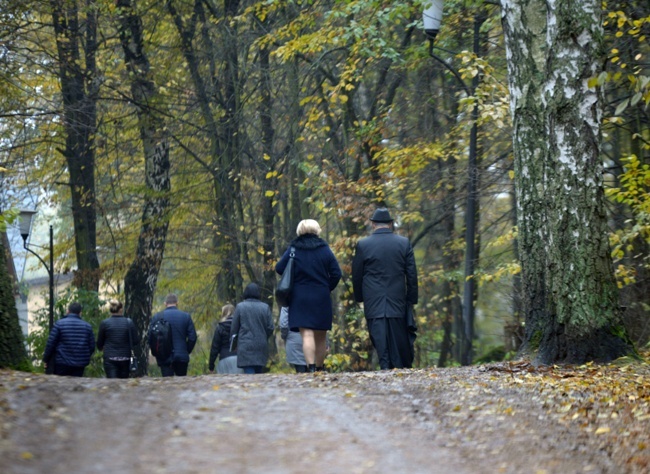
{"points": [[227, 311], [308, 226], [114, 306]]}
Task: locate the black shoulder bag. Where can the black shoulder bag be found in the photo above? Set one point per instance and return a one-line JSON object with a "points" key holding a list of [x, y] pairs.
{"points": [[285, 286]]}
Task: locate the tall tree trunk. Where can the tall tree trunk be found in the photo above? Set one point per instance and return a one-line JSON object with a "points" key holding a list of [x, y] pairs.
{"points": [[79, 88], [570, 296], [223, 135], [12, 350], [270, 184], [230, 160], [142, 275]]}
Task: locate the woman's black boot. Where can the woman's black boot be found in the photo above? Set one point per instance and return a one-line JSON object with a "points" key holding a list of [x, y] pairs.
{"points": [[311, 368], [320, 369]]}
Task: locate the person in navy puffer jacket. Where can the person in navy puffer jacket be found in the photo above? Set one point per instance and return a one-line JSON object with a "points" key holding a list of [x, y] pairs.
{"points": [[71, 343]]}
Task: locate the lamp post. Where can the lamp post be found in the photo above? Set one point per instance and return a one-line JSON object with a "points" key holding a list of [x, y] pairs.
{"points": [[432, 18], [25, 228]]}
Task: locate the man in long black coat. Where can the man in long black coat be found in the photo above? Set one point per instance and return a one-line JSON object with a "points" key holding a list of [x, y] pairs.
{"points": [[384, 278]]}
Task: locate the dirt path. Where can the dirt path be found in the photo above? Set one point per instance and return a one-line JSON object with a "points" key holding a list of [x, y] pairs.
{"points": [[329, 423]]}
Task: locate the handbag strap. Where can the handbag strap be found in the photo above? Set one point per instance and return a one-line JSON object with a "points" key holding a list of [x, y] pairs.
{"points": [[292, 252], [130, 340]]}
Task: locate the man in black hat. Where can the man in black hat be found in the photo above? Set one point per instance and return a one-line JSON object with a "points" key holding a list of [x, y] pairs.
{"points": [[384, 278]]}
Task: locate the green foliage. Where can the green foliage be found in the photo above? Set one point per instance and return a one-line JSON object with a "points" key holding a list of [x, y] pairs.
{"points": [[349, 344], [495, 354], [634, 194], [359, 115]]}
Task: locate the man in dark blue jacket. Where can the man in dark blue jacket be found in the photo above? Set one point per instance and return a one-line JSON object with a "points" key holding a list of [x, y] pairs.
{"points": [[71, 343], [384, 278], [183, 338]]}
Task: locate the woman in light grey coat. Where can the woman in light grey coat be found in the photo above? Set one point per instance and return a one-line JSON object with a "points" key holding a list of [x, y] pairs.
{"points": [[292, 343], [253, 324]]}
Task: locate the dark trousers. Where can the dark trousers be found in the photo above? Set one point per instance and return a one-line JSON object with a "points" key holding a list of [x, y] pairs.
{"points": [[391, 340], [176, 368], [253, 369], [116, 369], [72, 371]]}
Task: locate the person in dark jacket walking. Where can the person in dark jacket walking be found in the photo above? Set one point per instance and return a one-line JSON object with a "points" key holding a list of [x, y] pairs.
{"points": [[116, 337], [183, 337], [253, 324], [316, 274], [221, 345], [384, 278], [71, 342]]}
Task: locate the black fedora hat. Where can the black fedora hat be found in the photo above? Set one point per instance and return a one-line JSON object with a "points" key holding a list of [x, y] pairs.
{"points": [[381, 215]]}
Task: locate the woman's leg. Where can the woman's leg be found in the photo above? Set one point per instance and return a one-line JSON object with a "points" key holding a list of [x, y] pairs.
{"points": [[320, 338], [308, 345]]}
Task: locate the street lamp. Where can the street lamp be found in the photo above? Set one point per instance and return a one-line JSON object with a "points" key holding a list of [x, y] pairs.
{"points": [[25, 227], [432, 18]]}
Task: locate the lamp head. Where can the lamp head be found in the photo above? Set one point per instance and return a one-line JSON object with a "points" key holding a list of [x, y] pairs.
{"points": [[26, 216], [432, 17]]}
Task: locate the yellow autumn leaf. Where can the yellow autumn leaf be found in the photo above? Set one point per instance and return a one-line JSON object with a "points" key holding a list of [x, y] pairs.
{"points": [[602, 430], [269, 194]]}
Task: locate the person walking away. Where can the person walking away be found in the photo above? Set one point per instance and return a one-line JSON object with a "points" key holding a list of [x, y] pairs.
{"points": [[253, 324], [116, 337], [292, 343], [221, 345], [183, 338], [316, 274], [71, 342], [384, 278]]}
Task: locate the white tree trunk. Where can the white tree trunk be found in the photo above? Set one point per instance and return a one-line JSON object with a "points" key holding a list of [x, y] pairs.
{"points": [[570, 295]]}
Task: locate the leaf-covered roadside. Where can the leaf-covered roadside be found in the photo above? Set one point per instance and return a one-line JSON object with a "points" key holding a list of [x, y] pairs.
{"points": [[610, 403]]}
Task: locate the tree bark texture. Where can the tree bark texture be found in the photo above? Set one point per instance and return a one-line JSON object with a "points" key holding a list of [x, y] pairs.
{"points": [[12, 350], [570, 297], [79, 88], [142, 275]]}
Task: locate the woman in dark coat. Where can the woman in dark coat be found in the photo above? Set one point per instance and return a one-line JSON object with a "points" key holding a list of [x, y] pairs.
{"points": [[115, 337], [316, 274], [221, 345], [253, 324]]}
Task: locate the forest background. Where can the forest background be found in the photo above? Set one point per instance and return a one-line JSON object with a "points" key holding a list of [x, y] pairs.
{"points": [[181, 142]]}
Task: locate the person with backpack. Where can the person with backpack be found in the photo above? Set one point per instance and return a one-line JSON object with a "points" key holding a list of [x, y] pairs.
{"points": [[70, 344], [221, 345], [172, 338], [116, 337]]}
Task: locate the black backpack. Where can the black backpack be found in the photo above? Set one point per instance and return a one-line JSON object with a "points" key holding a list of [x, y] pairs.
{"points": [[160, 339]]}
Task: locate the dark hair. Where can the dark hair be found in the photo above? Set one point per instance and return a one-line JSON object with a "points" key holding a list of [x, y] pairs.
{"points": [[74, 308], [252, 291]]}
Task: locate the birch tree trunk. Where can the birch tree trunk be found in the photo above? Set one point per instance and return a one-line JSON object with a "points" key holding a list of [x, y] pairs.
{"points": [[570, 297], [142, 275]]}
